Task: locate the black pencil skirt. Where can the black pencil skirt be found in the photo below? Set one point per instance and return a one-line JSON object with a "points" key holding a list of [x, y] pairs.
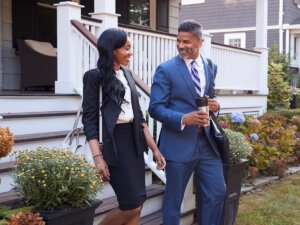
{"points": [[128, 178]]}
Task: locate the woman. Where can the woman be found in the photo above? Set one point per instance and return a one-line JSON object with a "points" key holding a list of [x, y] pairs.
{"points": [[125, 134]]}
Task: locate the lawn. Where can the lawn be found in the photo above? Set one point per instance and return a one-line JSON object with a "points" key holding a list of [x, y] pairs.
{"points": [[275, 204]]}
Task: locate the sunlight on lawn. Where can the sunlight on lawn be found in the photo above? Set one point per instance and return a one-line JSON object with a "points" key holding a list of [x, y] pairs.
{"points": [[275, 204]]}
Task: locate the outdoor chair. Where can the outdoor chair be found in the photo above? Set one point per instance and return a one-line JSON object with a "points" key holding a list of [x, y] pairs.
{"points": [[38, 64]]}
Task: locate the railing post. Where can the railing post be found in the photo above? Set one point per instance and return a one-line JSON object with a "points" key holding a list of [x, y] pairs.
{"points": [[105, 10], [206, 46], [261, 43], [66, 47]]}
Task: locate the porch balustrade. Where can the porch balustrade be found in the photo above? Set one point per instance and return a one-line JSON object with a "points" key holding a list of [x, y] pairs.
{"points": [[149, 50], [237, 69]]}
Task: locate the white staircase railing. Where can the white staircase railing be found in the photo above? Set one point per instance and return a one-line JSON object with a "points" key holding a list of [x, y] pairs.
{"points": [[87, 53], [149, 50]]}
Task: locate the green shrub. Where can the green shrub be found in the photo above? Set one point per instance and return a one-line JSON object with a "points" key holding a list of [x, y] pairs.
{"points": [[279, 95], [51, 178], [272, 136]]}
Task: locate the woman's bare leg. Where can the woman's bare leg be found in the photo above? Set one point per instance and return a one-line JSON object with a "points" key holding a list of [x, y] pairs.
{"points": [[122, 217]]}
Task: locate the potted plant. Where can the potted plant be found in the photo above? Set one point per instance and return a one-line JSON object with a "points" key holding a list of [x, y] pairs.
{"points": [[59, 184], [6, 141], [239, 149]]}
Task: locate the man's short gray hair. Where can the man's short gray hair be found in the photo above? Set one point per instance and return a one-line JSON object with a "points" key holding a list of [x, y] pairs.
{"points": [[191, 26]]}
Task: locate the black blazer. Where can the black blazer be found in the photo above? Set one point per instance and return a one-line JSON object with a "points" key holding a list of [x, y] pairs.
{"points": [[110, 113]]}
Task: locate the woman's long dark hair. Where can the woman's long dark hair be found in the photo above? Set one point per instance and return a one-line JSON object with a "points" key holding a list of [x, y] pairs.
{"points": [[108, 41]]}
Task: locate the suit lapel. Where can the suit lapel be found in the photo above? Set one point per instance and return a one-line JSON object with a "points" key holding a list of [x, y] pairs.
{"points": [[185, 73]]}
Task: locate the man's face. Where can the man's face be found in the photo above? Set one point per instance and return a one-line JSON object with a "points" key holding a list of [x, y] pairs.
{"points": [[188, 45]]}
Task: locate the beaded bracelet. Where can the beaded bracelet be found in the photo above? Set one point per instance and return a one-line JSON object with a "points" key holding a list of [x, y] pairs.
{"points": [[97, 156]]}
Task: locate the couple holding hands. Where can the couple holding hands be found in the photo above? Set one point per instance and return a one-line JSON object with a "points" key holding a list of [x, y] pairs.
{"points": [[177, 83]]}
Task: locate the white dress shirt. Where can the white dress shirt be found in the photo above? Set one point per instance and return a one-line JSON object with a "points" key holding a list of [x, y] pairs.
{"points": [[126, 114], [200, 68]]}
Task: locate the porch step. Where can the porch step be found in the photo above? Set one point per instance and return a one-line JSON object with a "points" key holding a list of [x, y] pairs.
{"points": [[35, 102], [39, 122], [152, 204], [154, 192], [156, 218]]}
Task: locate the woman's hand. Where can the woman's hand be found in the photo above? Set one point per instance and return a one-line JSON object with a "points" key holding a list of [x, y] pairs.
{"points": [[102, 169], [159, 159]]}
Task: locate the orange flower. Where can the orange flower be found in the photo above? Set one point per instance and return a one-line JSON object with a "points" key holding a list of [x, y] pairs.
{"points": [[6, 142]]}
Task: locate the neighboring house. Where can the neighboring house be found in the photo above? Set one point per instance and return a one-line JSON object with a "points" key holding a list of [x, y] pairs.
{"points": [[233, 22]]}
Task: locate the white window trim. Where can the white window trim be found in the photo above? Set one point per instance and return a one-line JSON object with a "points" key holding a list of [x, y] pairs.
{"points": [[241, 36], [190, 2]]}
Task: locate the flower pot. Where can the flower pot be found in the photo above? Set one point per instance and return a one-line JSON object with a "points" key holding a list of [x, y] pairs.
{"points": [[71, 216], [233, 175]]}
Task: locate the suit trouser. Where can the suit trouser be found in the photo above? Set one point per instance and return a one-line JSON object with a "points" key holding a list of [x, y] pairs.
{"points": [[209, 171]]}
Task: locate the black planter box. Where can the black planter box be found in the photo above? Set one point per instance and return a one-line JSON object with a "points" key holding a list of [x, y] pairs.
{"points": [[72, 216], [233, 175]]}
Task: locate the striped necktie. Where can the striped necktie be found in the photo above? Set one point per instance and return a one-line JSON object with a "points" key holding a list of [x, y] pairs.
{"points": [[196, 78]]}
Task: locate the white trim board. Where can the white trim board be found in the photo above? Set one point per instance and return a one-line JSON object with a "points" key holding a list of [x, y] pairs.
{"points": [[240, 29]]}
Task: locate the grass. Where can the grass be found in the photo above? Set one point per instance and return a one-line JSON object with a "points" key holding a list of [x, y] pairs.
{"points": [[276, 204]]}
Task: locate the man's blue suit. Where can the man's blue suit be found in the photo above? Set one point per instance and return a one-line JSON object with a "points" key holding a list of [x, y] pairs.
{"points": [[173, 94]]}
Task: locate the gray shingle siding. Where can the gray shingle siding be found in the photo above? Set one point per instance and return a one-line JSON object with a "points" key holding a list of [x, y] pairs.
{"points": [[273, 37], [222, 14], [291, 12]]}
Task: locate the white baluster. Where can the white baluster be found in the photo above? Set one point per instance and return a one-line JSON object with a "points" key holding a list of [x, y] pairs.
{"points": [[145, 60]]}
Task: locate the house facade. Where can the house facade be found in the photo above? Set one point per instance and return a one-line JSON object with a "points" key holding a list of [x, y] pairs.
{"points": [[233, 22], [37, 20]]}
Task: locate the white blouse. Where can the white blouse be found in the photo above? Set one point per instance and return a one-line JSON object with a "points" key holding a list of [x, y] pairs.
{"points": [[126, 114]]}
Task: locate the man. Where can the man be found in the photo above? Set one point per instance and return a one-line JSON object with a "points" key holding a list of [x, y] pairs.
{"points": [[185, 138]]}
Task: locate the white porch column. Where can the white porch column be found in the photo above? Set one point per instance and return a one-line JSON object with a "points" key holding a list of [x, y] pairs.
{"points": [[206, 47], [105, 10], [261, 43], [287, 42], [66, 45]]}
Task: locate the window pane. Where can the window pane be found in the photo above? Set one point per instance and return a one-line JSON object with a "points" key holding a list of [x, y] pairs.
{"points": [[235, 42], [139, 12]]}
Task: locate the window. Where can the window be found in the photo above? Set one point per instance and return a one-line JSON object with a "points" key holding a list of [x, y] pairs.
{"points": [[139, 12], [190, 2], [235, 39], [135, 12]]}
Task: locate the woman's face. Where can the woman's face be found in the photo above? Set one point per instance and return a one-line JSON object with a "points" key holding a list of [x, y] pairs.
{"points": [[123, 54]]}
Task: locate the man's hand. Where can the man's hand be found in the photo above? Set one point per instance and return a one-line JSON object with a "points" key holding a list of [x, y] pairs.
{"points": [[213, 105], [196, 118]]}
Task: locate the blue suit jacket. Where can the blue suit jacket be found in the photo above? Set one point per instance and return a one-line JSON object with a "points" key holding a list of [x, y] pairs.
{"points": [[172, 95]]}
